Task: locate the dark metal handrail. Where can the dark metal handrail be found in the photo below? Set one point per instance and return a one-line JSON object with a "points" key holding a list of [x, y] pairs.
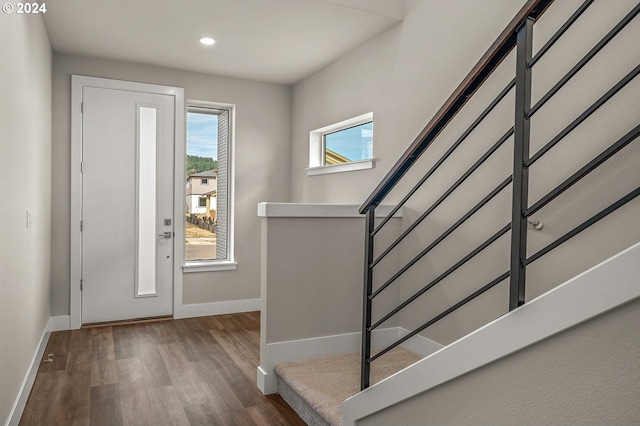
{"points": [[518, 35]]}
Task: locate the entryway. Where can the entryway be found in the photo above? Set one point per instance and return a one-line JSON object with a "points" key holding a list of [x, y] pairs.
{"points": [[124, 251]]}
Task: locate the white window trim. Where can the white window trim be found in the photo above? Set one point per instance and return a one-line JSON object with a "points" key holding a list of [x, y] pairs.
{"points": [[211, 265], [337, 168], [316, 151]]}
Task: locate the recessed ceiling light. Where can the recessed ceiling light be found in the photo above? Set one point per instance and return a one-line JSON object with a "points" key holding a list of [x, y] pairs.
{"points": [[207, 41]]}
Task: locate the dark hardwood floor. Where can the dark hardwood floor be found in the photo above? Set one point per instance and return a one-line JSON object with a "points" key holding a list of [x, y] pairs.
{"points": [[197, 371]]}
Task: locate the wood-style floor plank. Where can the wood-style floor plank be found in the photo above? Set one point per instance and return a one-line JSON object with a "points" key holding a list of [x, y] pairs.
{"points": [[196, 371], [105, 406]]}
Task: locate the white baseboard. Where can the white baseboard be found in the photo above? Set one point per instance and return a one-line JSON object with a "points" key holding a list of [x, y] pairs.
{"points": [[419, 344], [216, 308], [60, 323], [21, 401], [604, 287], [63, 322], [296, 350], [261, 379]]}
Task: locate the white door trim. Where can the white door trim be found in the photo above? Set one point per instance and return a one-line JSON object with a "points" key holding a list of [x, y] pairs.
{"points": [[77, 83]]}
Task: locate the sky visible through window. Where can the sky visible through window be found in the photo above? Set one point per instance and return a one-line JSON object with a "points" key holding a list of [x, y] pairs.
{"points": [[355, 143], [202, 133]]}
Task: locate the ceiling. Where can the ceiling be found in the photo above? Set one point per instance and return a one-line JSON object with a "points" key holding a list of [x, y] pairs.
{"points": [[279, 41]]}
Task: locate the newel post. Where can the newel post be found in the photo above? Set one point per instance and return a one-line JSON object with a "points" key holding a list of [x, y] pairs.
{"points": [[520, 171], [366, 301]]}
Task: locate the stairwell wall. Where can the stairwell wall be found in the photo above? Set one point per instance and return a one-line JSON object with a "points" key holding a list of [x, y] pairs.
{"points": [[613, 180], [405, 74]]}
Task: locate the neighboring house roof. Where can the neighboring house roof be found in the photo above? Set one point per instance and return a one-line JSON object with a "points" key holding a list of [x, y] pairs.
{"points": [[207, 174], [333, 157], [210, 193]]}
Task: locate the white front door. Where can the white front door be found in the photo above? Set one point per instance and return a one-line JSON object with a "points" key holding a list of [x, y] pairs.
{"points": [[127, 204]]}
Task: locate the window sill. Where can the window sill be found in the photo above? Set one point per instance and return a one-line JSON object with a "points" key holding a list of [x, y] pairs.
{"points": [[339, 168], [205, 266]]}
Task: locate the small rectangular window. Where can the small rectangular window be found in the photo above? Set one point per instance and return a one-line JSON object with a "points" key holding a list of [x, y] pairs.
{"points": [[204, 181], [348, 145], [342, 147], [203, 202]]}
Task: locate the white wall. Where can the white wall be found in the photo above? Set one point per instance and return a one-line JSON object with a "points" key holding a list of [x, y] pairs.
{"points": [[405, 74], [261, 148], [25, 175]]}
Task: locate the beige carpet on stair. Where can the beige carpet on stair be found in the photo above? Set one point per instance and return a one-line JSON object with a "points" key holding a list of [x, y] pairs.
{"points": [[326, 382]]}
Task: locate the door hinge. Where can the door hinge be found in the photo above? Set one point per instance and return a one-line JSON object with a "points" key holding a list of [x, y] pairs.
{"points": [[81, 167], [81, 107], [80, 226], [80, 285]]}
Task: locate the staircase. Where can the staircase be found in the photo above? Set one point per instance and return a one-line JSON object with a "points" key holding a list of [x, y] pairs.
{"points": [[567, 172], [316, 388]]}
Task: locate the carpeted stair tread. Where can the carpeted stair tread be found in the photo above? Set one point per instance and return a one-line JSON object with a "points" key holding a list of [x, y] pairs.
{"points": [[325, 383]]}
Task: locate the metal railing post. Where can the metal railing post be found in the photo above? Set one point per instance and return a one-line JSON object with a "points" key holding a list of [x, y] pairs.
{"points": [[366, 301], [520, 171]]}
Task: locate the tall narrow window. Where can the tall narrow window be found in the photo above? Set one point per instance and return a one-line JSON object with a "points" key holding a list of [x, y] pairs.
{"points": [[207, 196], [146, 190]]}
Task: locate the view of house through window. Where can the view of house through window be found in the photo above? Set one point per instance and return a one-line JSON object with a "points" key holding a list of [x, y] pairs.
{"points": [[348, 145], [206, 184]]}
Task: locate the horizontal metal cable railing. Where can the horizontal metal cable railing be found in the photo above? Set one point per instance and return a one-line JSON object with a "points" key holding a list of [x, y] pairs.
{"points": [[518, 36]]}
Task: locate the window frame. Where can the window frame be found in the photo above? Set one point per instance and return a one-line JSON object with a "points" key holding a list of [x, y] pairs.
{"points": [[229, 262], [317, 148]]}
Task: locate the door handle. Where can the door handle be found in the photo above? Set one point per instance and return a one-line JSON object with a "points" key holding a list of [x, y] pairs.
{"points": [[166, 235]]}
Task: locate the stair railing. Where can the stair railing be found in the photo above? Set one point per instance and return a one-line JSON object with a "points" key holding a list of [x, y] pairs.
{"points": [[518, 35]]}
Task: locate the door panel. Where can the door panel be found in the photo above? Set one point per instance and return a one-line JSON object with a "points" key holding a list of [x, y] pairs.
{"points": [[117, 184]]}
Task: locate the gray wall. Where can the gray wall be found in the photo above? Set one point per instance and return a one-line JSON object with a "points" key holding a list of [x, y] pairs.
{"points": [[312, 277], [586, 375], [261, 144], [25, 175], [405, 74], [311, 282]]}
